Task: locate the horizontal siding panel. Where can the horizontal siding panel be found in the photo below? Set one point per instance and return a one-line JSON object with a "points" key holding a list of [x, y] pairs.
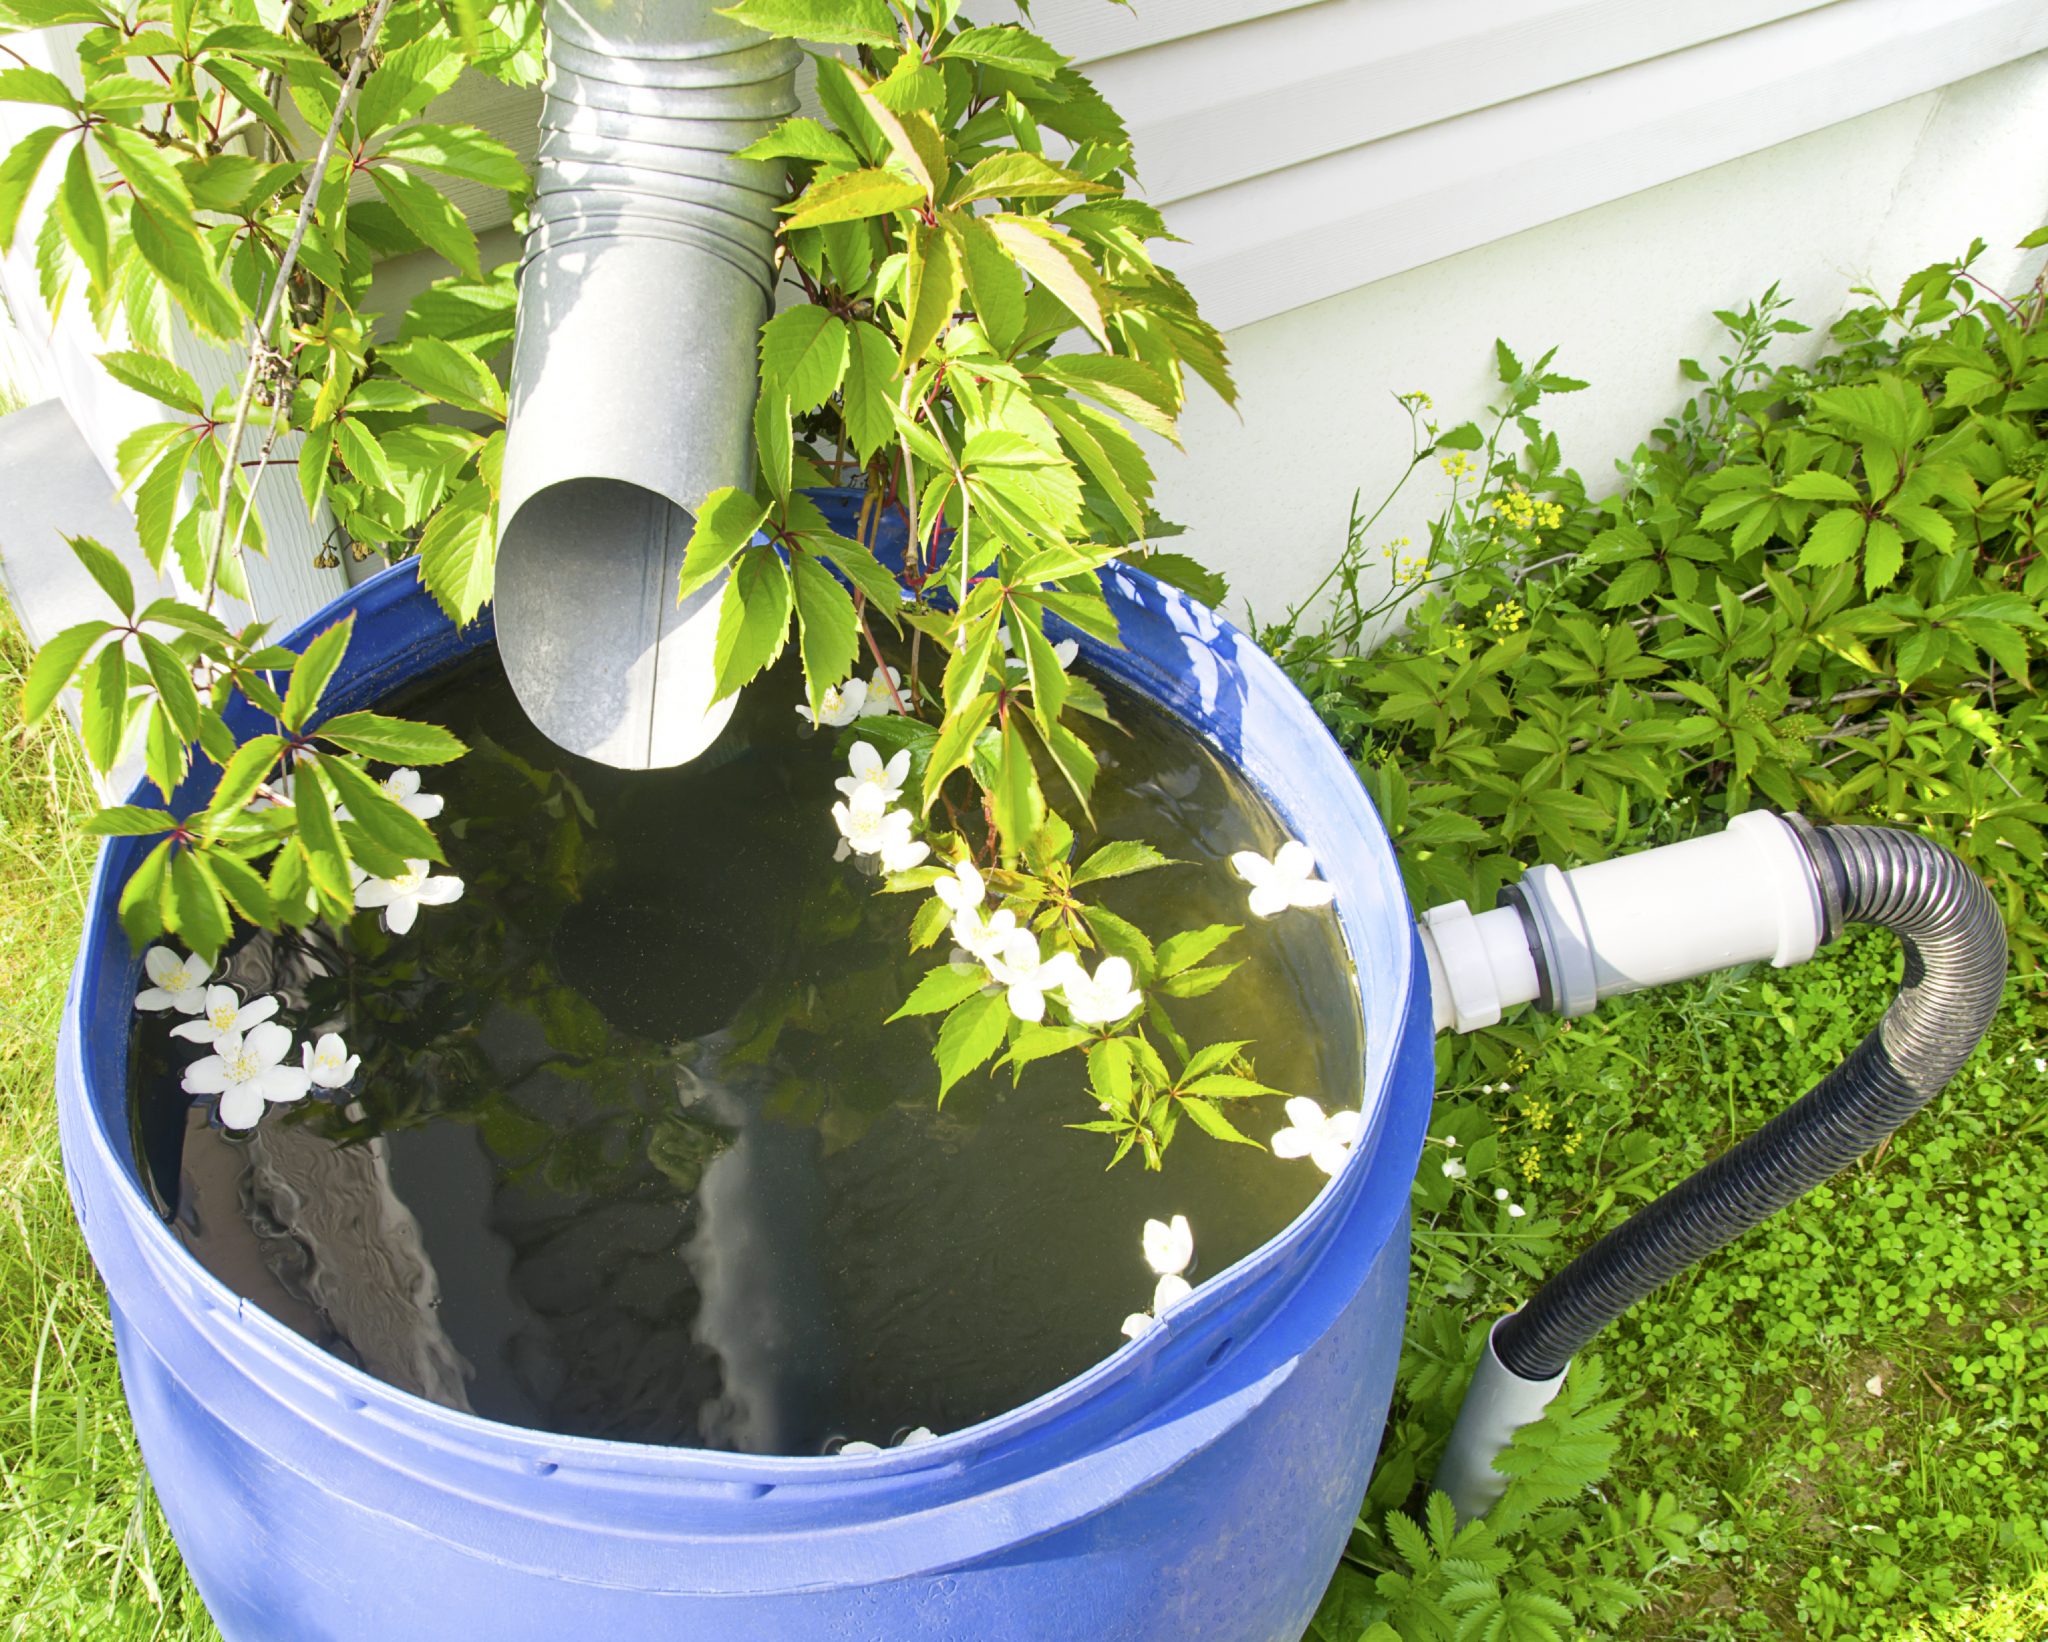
{"points": [[1215, 110], [1092, 30], [1300, 234]]}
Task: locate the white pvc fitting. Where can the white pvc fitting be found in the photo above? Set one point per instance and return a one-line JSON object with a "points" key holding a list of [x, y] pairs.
{"points": [[1741, 895], [1498, 1403], [1479, 964]]}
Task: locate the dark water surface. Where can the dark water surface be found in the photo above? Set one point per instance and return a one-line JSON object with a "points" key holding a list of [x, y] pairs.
{"points": [[631, 1155]]}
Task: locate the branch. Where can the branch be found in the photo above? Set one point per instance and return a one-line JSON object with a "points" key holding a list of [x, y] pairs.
{"points": [[259, 343]]}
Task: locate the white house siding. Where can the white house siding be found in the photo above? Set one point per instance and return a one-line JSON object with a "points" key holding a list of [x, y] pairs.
{"points": [[1623, 289]]}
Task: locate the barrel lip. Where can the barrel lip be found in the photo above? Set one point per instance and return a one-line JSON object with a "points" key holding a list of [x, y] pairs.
{"points": [[1310, 770]]}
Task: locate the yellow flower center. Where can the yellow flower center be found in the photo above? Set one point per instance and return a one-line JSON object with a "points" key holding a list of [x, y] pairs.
{"points": [[222, 1016]]}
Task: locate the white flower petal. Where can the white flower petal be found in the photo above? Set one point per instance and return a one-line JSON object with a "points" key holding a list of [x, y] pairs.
{"points": [[1252, 867], [205, 1077], [282, 1083], [374, 892], [439, 892], [241, 1106], [268, 1042], [1268, 900], [1313, 893], [1294, 859], [160, 963], [1139, 1324], [400, 914], [859, 1448], [1169, 1245], [198, 1031], [1292, 1143], [256, 1011], [1304, 1113], [1171, 1290]]}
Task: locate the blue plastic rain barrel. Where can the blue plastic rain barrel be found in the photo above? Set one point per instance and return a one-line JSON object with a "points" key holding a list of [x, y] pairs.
{"points": [[1196, 1486]]}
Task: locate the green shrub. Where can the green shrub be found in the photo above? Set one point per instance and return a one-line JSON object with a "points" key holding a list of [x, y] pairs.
{"points": [[1817, 588]]}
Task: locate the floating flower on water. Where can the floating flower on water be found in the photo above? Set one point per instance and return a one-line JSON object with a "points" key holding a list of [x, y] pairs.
{"points": [[963, 891], [1169, 1245], [879, 701], [1139, 1324], [225, 1013], [404, 785], [867, 826], [1026, 974], [916, 1437], [403, 896], [1103, 998], [838, 706], [175, 982], [247, 1072], [869, 771], [1285, 881], [1324, 1141], [1454, 1170], [328, 1062], [1170, 1290]]}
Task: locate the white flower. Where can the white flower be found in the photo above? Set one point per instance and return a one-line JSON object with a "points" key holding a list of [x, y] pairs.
{"points": [[1027, 974], [404, 785], [403, 896], [983, 938], [225, 1013], [914, 1438], [879, 697], [1500, 1194], [838, 706], [1169, 1245], [175, 982], [963, 891], [1065, 652], [1454, 1170], [1139, 1324], [328, 1062], [1283, 882], [1170, 1291], [867, 826], [1324, 1141], [869, 771], [246, 1072], [2040, 1064], [1105, 997], [1516, 1211]]}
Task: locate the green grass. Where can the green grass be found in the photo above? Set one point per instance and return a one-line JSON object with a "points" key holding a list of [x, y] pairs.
{"points": [[83, 1549]]}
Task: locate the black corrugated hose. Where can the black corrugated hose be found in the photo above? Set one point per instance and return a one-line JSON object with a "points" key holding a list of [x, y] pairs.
{"points": [[1954, 976]]}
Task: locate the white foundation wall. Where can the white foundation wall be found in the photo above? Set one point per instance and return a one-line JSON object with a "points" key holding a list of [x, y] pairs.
{"points": [[1623, 289]]}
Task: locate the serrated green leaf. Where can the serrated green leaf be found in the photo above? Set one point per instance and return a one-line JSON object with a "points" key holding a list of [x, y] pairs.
{"points": [[942, 988], [310, 676], [392, 740], [972, 1033], [753, 618]]}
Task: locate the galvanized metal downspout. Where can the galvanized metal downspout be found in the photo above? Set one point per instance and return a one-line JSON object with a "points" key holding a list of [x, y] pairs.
{"points": [[647, 274]]}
